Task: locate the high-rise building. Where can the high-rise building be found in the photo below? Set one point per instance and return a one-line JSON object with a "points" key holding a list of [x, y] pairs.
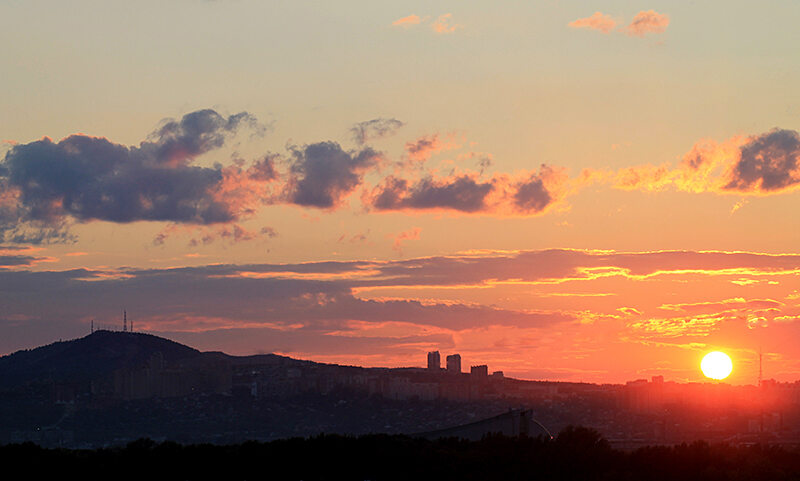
{"points": [[454, 363], [434, 361]]}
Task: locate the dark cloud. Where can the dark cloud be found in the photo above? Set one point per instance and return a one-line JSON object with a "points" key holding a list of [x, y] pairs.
{"points": [[768, 163], [378, 128], [269, 232], [461, 193], [319, 299], [219, 297], [195, 134], [264, 170], [48, 184], [322, 174], [484, 162], [532, 195], [7, 261]]}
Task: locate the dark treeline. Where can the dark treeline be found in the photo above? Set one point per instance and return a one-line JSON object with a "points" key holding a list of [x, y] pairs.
{"points": [[575, 454]]}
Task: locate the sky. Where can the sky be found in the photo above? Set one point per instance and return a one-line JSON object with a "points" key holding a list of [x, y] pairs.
{"points": [[562, 190]]}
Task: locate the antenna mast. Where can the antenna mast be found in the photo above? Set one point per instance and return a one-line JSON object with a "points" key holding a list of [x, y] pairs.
{"points": [[124, 320], [760, 396]]}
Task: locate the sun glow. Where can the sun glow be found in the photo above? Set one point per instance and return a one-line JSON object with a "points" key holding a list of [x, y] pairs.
{"points": [[716, 365]]}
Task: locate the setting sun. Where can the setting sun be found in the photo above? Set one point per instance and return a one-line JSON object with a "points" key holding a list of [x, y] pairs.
{"points": [[716, 365]]}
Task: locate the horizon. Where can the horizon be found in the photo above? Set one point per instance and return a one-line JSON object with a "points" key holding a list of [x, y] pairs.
{"points": [[443, 370], [580, 194]]}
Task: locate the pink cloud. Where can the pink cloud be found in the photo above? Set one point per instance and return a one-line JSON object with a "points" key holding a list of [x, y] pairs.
{"points": [[646, 22], [443, 25], [408, 21], [598, 21], [404, 236]]}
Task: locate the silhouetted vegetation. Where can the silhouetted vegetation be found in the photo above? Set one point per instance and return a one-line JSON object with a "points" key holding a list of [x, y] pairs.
{"points": [[576, 453]]}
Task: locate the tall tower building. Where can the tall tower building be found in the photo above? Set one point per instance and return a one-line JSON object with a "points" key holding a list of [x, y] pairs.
{"points": [[434, 361], [454, 363]]}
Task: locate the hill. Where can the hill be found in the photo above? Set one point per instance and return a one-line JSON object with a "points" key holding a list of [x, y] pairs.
{"points": [[94, 356]]}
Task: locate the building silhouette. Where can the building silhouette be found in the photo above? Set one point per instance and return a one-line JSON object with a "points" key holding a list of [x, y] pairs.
{"points": [[454, 363], [434, 361], [479, 371]]}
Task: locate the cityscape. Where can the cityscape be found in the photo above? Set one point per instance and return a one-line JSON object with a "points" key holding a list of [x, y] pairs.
{"points": [[216, 390]]}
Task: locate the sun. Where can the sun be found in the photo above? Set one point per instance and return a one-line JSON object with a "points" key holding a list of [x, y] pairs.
{"points": [[716, 365]]}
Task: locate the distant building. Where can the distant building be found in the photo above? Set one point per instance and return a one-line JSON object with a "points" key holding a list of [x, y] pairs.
{"points": [[479, 371], [497, 374], [454, 363], [434, 361]]}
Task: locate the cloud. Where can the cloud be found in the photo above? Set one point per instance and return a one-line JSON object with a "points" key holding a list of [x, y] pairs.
{"points": [[420, 150], [554, 266], [646, 22], [763, 164], [179, 142], [359, 237], [767, 163], [460, 193], [47, 184], [520, 194], [374, 129], [322, 174], [294, 307], [532, 195], [734, 304], [17, 261], [216, 297], [404, 236], [442, 24], [408, 21], [598, 21]]}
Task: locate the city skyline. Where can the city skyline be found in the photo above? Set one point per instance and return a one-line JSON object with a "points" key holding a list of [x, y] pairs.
{"points": [[559, 191]]}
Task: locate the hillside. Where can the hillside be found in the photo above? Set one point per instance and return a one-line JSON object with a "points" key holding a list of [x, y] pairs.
{"points": [[87, 358]]}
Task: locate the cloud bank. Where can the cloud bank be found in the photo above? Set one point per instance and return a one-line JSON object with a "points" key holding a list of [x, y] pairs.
{"points": [[46, 184]]}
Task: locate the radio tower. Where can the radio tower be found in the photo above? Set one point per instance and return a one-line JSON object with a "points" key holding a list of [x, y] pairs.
{"points": [[124, 320], [760, 396]]}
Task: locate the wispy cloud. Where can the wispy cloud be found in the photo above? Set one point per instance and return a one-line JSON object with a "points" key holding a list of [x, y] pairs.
{"points": [[598, 21], [643, 23], [403, 237], [443, 24], [408, 21], [374, 129]]}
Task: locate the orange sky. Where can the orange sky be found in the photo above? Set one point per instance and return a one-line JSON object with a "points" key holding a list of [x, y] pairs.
{"points": [[561, 193]]}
